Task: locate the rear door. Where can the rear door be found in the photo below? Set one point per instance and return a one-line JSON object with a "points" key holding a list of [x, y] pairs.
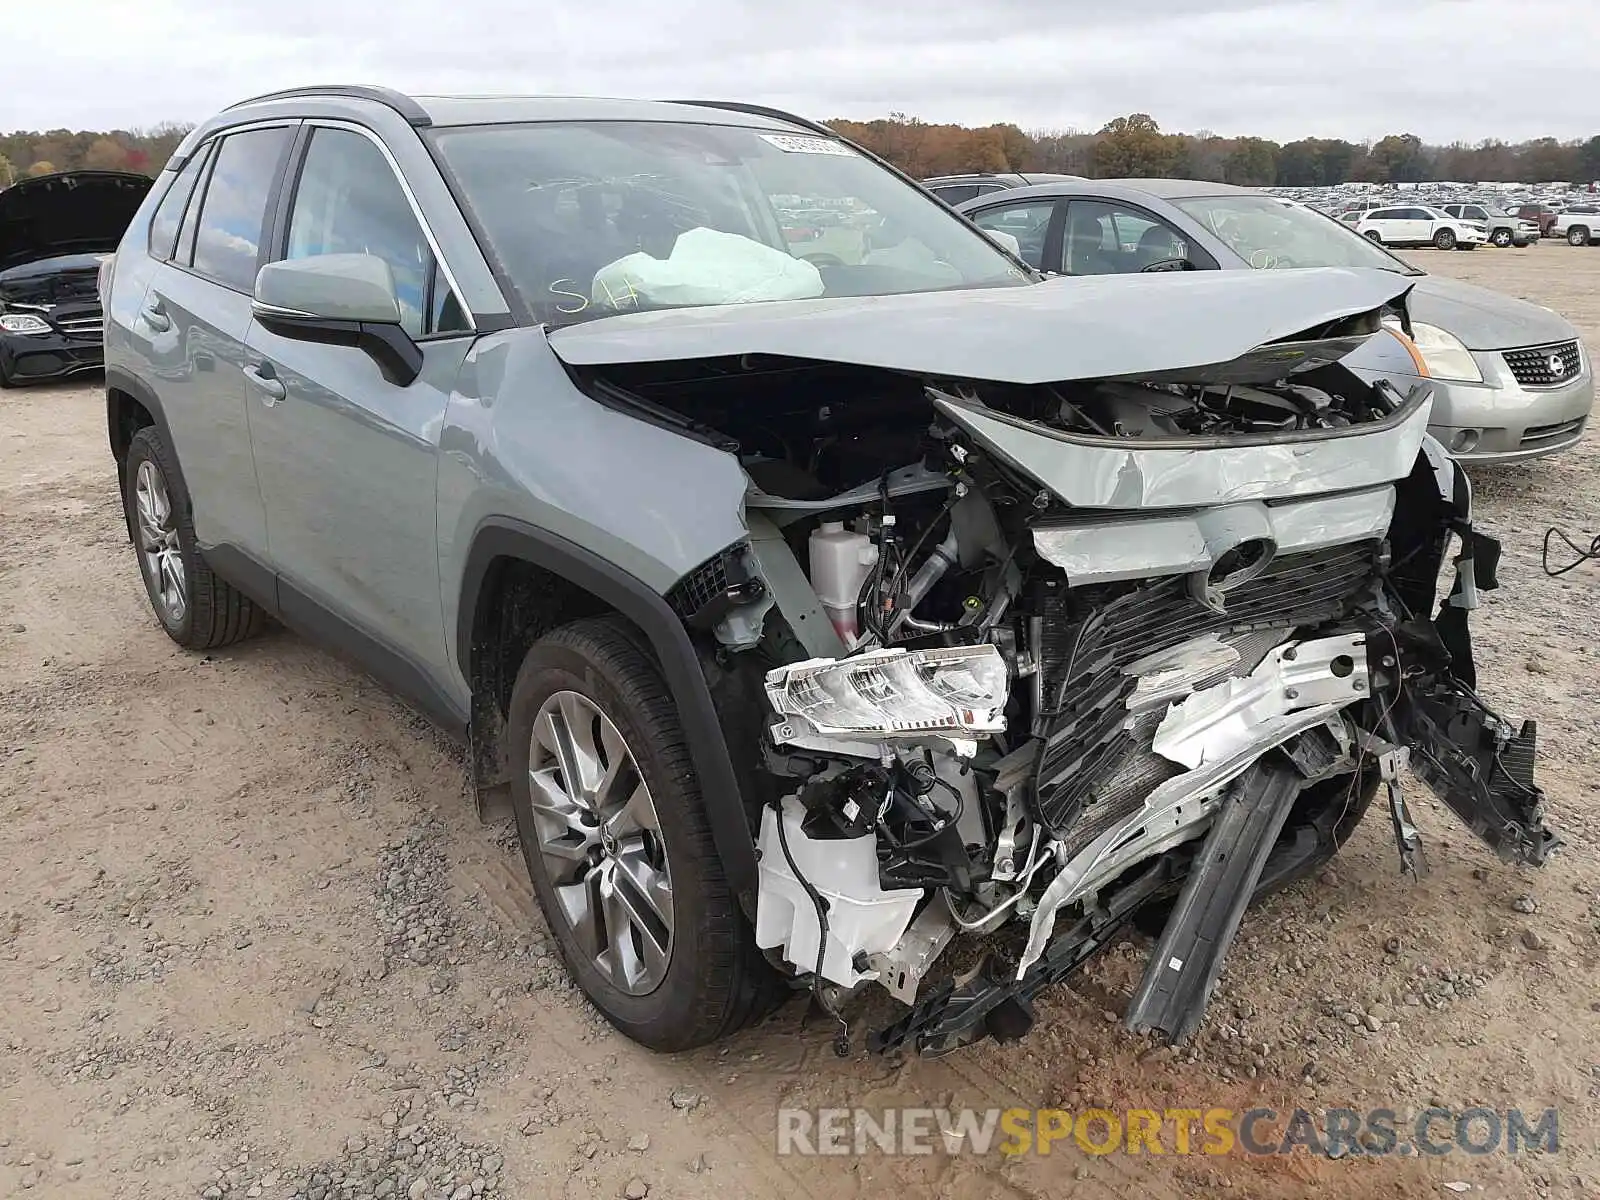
{"points": [[195, 318], [347, 460], [1420, 225]]}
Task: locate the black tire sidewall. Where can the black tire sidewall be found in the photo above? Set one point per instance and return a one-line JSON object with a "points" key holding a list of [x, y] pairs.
{"points": [[147, 446], [654, 1019]]}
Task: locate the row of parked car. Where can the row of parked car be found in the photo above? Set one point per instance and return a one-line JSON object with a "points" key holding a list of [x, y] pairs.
{"points": [[1513, 380], [1466, 226]]}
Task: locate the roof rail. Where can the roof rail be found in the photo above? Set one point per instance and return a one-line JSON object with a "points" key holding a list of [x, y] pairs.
{"points": [[408, 108], [761, 110]]}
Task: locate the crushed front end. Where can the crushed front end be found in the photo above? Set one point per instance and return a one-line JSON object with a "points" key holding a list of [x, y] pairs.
{"points": [[1007, 663]]}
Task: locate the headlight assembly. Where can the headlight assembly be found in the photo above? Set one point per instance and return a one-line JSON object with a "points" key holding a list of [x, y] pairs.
{"points": [[1444, 354], [957, 690], [24, 323]]}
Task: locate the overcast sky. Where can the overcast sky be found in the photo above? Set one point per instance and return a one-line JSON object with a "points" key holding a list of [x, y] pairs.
{"points": [[1444, 69]]}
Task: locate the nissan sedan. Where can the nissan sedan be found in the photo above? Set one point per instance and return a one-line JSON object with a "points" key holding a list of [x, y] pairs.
{"points": [[1513, 380]]}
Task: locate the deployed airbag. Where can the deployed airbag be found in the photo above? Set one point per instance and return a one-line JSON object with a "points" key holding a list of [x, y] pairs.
{"points": [[707, 266]]}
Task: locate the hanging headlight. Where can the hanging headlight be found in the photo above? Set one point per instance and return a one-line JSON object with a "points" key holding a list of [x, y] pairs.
{"points": [[958, 690]]}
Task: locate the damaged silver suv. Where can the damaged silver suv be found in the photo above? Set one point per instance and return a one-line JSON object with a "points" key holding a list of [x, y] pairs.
{"points": [[842, 606]]}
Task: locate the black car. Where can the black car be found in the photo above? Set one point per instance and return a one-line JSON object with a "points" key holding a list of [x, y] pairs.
{"points": [[956, 189], [54, 232]]}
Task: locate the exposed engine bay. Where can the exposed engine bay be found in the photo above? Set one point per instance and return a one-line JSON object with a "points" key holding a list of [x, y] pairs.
{"points": [[1007, 665]]}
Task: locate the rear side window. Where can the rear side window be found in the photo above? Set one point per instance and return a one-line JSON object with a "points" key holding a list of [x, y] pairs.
{"points": [[956, 193], [169, 214], [228, 241]]}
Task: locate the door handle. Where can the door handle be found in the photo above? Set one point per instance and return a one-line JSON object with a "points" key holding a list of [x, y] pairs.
{"points": [[267, 381], [155, 315]]}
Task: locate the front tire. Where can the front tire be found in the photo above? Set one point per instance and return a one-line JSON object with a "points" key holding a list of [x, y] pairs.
{"points": [[197, 608], [1578, 235], [1501, 238], [1445, 239], [619, 846], [1372, 235]]}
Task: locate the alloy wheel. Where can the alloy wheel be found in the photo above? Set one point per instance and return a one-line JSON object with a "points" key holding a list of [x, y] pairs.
{"points": [[600, 840], [158, 542]]}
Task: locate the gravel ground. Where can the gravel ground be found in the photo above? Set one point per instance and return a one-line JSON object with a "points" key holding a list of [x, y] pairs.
{"points": [[255, 943]]}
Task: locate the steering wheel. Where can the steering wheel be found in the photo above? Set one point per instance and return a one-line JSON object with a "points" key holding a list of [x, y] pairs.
{"points": [[1265, 260], [1168, 264]]}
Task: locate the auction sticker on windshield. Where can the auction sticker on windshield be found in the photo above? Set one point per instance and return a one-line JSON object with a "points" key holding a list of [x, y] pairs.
{"points": [[799, 144]]}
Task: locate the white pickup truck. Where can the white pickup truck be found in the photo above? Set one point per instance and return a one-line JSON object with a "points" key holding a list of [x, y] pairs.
{"points": [[1579, 224]]}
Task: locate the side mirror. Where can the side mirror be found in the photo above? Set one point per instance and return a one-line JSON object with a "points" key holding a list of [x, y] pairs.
{"points": [[339, 300]]}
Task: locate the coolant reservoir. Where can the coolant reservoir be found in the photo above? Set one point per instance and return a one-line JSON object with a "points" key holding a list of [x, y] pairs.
{"points": [[840, 563]]}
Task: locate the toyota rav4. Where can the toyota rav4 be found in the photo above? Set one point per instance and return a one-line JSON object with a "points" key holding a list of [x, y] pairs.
{"points": [[882, 618]]}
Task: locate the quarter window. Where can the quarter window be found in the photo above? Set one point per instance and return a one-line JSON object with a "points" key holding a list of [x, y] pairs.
{"points": [[349, 202], [228, 243], [169, 213]]}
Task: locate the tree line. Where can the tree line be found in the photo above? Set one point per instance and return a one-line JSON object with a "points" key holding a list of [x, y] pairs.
{"points": [[27, 153], [1127, 146], [1135, 146]]}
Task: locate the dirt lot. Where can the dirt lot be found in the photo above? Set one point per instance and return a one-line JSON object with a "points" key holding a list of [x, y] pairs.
{"points": [[254, 941]]}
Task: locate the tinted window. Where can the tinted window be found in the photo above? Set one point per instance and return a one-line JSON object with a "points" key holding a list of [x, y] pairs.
{"points": [[348, 201], [229, 239], [169, 215], [1417, 214], [956, 193], [1108, 239], [1026, 223]]}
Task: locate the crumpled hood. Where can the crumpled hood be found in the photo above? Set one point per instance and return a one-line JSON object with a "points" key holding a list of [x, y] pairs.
{"points": [[1484, 319], [1067, 328], [67, 213]]}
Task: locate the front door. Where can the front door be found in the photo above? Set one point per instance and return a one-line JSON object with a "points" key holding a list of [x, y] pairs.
{"points": [[347, 460]]}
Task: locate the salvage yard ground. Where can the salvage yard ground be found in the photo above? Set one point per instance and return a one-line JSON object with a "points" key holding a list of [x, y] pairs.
{"points": [[254, 942]]}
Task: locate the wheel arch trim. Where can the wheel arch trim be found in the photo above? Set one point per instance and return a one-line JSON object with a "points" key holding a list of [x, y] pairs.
{"points": [[120, 380], [499, 537]]}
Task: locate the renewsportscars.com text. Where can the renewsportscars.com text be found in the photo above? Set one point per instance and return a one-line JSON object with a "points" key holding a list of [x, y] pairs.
{"points": [[1335, 1132]]}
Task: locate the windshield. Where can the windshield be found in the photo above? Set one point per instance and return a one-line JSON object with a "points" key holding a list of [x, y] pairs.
{"points": [[591, 219], [1270, 233]]}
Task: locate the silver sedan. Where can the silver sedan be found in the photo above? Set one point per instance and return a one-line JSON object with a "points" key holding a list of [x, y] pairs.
{"points": [[1513, 379]]}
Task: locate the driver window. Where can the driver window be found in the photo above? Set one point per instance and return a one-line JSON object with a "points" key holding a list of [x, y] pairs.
{"points": [[348, 201], [1104, 238], [1025, 225]]}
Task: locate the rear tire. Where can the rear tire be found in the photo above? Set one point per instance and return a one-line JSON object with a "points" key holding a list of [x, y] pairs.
{"points": [[672, 967], [1578, 235], [198, 609], [1445, 239], [1501, 238]]}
